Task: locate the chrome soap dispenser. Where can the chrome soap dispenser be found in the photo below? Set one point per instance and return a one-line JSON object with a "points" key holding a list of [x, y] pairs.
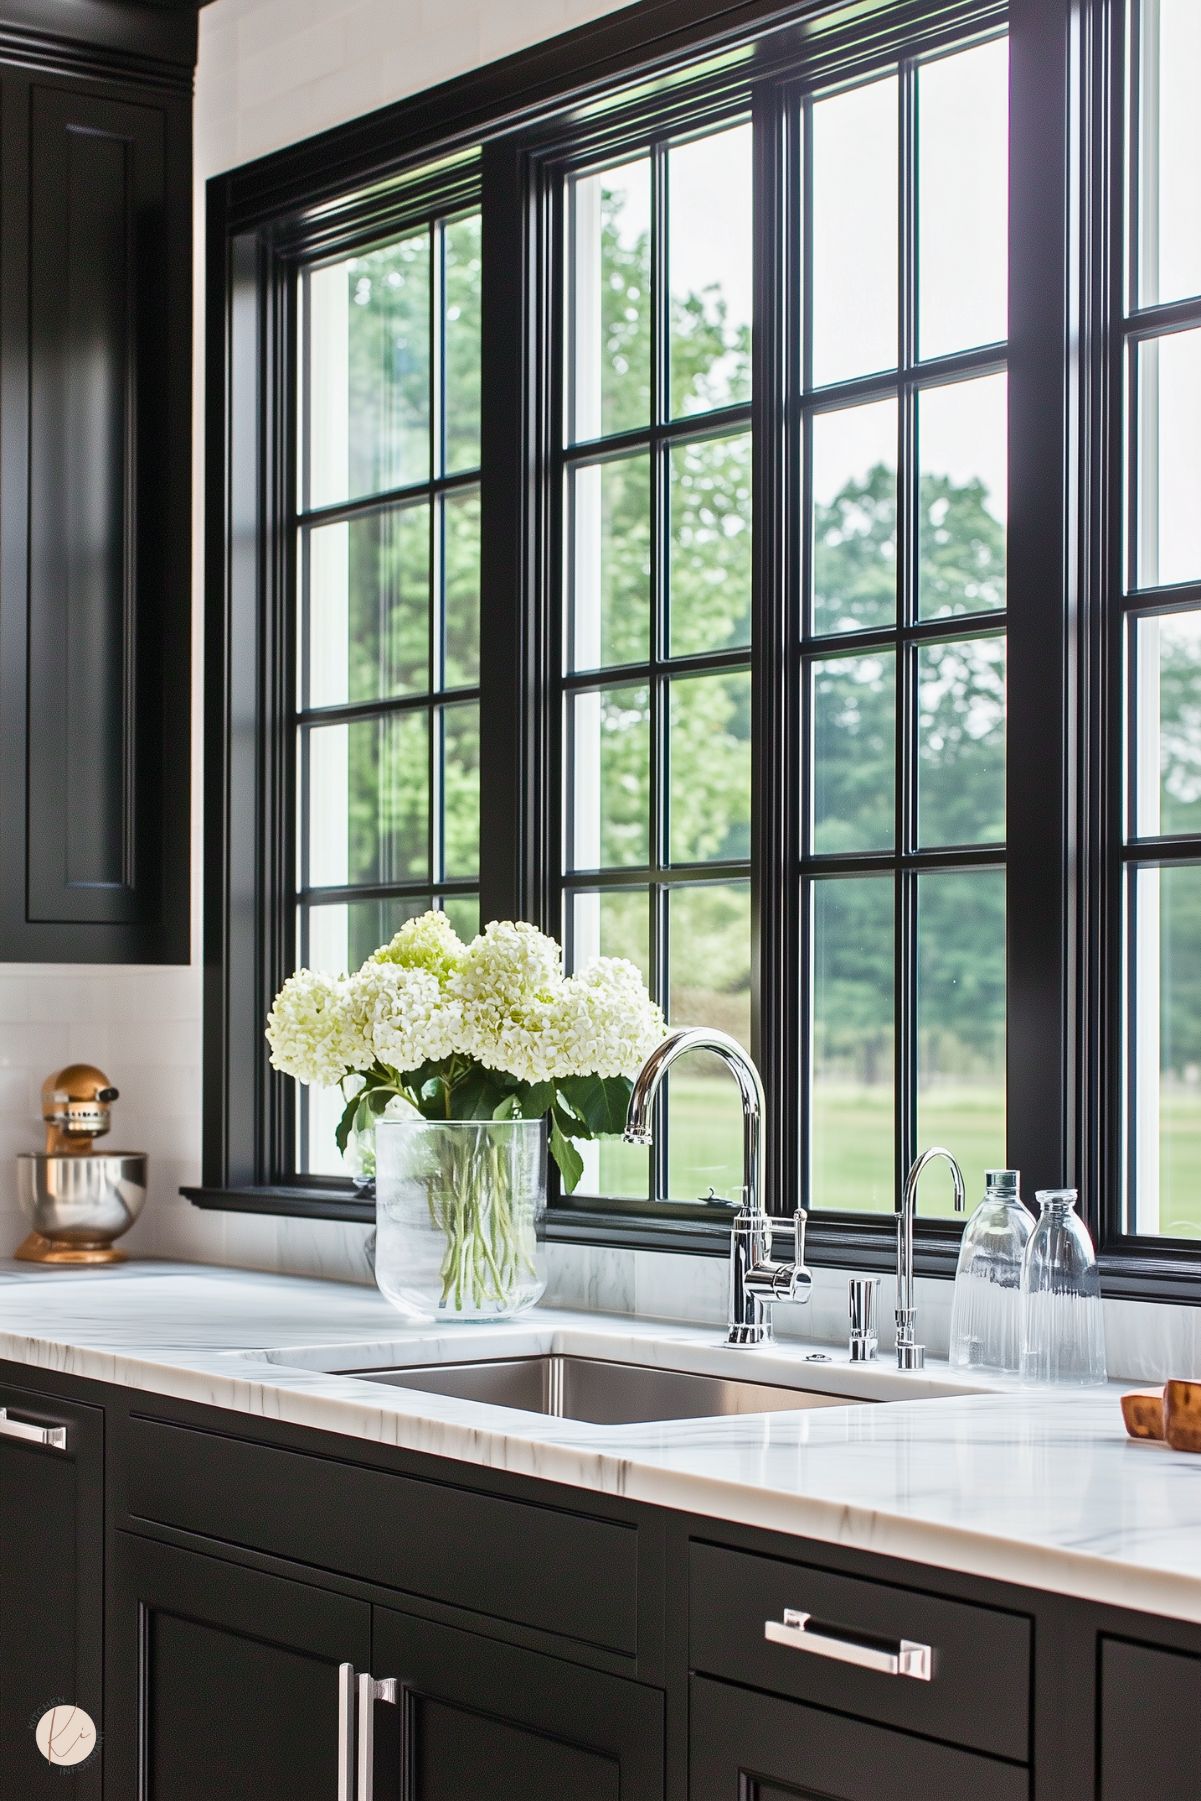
{"points": [[986, 1310]]}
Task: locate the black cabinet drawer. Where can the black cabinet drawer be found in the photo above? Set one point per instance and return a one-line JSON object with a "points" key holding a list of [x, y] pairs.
{"points": [[978, 1694], [566, 1573], [745, 1745], [1149, 1705]]}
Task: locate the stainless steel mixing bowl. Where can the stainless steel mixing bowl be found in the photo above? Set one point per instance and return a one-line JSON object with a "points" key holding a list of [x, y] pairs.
{"points": [[80, 1204]]}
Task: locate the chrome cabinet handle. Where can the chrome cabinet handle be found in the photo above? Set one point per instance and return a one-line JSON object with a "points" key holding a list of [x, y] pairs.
{"points": [[53, 1436], [346, 1695], [371, 1691], [909, 1659]]}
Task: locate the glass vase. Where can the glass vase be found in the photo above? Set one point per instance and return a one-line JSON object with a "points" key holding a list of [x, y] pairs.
{"points": [[459, 1213]]}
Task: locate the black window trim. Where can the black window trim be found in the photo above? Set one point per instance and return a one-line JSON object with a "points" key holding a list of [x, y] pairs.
{"points": [[1065, 133]]}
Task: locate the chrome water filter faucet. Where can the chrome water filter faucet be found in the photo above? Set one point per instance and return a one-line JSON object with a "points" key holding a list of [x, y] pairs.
{"points": [[912, 1356]]}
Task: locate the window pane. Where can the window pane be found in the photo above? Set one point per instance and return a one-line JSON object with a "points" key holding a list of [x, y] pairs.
{"points": [[710, 261], [610, 747], [368, 795], [611, 223], [851, 1098], [1166, 1084], [855, 232], [961, 1023], [710, 550], [461, 576], [1168, 700], [612, 922], [1169, 455], [339, 936], [961, 743], [854, 753], [369, 372], [460, 791], [710, 761], [461, 299], [855, 518], [463, 912], [709, 942], [611, 563], [369, 607], [963, 493], [963, 199], [1169, 201]]}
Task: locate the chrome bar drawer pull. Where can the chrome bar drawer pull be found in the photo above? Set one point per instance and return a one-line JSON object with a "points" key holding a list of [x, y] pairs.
{"points": [[53, 1436], [371, 1691], [909, 1659]]}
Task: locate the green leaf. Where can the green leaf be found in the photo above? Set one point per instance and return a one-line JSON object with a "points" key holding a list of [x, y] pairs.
{"points": [[507, 1109], [600, 1101], [571, 1164], [477, 1096], [346, 1124], [535, 1099]]}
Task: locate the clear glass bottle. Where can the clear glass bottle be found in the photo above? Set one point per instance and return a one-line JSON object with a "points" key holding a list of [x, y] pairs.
{"points": [[1063, 1322], [986, 1311]]}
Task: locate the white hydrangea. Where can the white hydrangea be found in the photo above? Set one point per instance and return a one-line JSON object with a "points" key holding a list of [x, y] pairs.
{"points": [[313, 1030], [405, 1015], [606, 1024], [427, 942], [502, 1001]]}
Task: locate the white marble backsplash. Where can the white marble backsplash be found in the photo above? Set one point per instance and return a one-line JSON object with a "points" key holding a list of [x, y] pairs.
{"points": [[1146, 1342]]}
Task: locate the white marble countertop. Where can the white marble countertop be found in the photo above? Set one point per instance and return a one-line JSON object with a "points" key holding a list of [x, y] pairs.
{"points": [[1030, 1486]]}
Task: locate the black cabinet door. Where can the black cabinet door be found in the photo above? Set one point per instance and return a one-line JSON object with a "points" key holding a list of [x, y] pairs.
{"points": [[481, 1721], [51, 1598], [223, 1682], [745, 1746], [1150, 1700]]}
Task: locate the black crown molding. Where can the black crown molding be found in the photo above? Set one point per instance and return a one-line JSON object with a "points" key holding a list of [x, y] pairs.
{"points": [[142, 40]]}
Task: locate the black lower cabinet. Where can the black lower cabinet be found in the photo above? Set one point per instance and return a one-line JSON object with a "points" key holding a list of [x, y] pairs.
{"points": [[51, 1596], [476, 1720], [745, 1746], [223, 1681], [1150, 1704]]}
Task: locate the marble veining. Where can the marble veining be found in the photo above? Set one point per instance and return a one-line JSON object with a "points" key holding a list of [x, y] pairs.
{"points": [[1029, 1486]]}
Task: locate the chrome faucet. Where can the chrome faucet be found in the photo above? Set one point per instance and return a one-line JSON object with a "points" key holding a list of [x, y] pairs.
{"points": [[911, 1356], [756, 1279]]}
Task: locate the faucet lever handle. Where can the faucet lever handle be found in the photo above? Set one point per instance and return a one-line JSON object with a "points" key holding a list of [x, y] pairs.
{"points": [[799, 1221]]}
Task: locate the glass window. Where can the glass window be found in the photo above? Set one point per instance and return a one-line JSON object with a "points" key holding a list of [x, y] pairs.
{"points": [[387, 717], [657, 619], [904, 637], [1160, 846]]}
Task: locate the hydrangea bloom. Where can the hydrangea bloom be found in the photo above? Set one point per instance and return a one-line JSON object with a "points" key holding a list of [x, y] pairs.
{"points": [[428, 942], [313, 1032], [403, 1015]]}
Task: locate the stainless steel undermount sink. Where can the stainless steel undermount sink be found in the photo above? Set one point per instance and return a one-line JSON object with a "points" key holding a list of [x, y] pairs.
{"points": [[600, 1392]]}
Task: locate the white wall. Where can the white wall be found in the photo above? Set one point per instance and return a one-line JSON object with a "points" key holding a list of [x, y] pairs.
{"points": [[270, 73]]}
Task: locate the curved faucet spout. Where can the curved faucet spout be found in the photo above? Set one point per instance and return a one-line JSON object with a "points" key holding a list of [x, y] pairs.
{"points": [[911, 1356], [701, 1038]]}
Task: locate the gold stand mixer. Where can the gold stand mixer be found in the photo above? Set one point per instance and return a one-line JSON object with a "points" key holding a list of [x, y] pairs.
{"points": [[77, 1199]]}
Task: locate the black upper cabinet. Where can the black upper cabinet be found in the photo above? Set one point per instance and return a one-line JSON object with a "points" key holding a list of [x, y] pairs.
{"points": [[95, 563]]}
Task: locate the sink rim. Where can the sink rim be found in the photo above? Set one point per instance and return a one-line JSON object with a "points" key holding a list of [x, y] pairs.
{"points": [[552, 1383]]}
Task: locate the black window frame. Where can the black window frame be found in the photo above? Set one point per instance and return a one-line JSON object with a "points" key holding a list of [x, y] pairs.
{"points": [[521, 113]]}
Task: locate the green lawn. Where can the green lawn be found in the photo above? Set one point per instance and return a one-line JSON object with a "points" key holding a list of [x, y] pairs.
{"points": [[853, 1149]]}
